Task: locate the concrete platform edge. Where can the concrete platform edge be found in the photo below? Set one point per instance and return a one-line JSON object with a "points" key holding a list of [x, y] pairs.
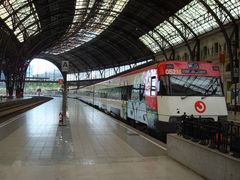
{"points": [[208, 163]]}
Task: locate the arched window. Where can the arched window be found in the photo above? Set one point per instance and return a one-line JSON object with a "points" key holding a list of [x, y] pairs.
{"points": [[228, 67]]}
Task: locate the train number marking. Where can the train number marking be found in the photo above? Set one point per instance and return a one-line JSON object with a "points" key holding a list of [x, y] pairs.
{"points": [[172, 71], [200, 107]]}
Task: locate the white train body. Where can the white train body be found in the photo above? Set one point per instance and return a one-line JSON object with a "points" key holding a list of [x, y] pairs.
{"points": [[159, 95]]}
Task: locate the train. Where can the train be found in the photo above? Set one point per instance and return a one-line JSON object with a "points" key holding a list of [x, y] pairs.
{"points": [[159, 95]]}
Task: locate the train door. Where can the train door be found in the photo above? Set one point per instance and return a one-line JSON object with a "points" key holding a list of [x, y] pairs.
{"points": [[125, 94], [151, 99], [136, 105]]}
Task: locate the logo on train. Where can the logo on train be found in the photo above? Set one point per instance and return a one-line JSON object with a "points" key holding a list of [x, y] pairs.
{"points": [[200, 106]]}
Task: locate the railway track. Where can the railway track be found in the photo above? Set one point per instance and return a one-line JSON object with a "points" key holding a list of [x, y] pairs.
{"points": [[12, 108]]}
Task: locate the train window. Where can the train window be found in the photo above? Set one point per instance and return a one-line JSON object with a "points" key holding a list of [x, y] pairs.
{"points": [[96, 94], [121, 93], [103, 94], [216, 47], [114, 93], [118, 94], [141, 91], [158, 86], [164, 86], [205, 51], [110, 93], [196, 86], [135, 92], [124, 93], [228, 67], [153, 86], [129, 91]]}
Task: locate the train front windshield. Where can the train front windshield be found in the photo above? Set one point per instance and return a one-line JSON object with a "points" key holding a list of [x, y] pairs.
{"points": [[190, 86]]}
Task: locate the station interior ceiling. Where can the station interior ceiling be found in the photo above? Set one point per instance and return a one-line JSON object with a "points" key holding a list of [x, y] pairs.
{"points": [[98, 34]]}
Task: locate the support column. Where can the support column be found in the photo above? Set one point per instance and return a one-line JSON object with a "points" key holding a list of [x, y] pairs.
{"points": [[19, 84], [64, 100], [78, 79], [15, 78], [235, 64], [9, 84], [20, 80], [9, 89]]}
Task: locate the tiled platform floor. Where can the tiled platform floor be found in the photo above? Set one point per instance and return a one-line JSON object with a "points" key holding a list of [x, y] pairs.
{"points": [[92, 146]]}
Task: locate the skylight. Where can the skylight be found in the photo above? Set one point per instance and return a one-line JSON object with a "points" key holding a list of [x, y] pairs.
{"points": [[91, 19], [196, 16], [21, 17]]}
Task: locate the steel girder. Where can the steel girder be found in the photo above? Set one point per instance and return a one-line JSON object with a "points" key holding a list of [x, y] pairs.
{"points": [[231, 41], [132, 15]]}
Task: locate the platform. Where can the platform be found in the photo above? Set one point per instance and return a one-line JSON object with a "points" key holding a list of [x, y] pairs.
{"points": [[91, 146]]}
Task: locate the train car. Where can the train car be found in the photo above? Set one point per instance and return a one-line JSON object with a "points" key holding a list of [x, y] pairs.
{"points": [[160, 94]]}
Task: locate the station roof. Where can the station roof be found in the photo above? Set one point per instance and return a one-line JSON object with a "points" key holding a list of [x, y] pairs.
{"points": [[97, 34]]}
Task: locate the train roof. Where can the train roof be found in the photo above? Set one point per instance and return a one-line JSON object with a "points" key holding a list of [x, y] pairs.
{"points": [[159, 65]]}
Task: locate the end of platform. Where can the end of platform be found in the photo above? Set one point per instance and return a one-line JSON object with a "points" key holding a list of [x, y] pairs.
{"points": [[207, 162]]}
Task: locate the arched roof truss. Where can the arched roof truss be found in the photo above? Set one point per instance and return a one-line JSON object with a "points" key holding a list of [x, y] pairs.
{"points": [[91, 19], [21, 17], [192, 20]]}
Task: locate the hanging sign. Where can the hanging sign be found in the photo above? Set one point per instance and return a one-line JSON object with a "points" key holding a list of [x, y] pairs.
{"points": [[222, 58], [65, 66], [60, 81]]}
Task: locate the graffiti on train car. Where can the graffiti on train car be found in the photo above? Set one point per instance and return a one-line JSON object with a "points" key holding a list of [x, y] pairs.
{"points": [[137, 111]]}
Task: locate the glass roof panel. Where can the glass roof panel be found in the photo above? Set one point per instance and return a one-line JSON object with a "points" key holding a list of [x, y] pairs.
{"points": [[150, 43], [3, 12], [21, 17], [196, 16], [3, 15], [168, 31], [103, 14], [233, 6]]}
